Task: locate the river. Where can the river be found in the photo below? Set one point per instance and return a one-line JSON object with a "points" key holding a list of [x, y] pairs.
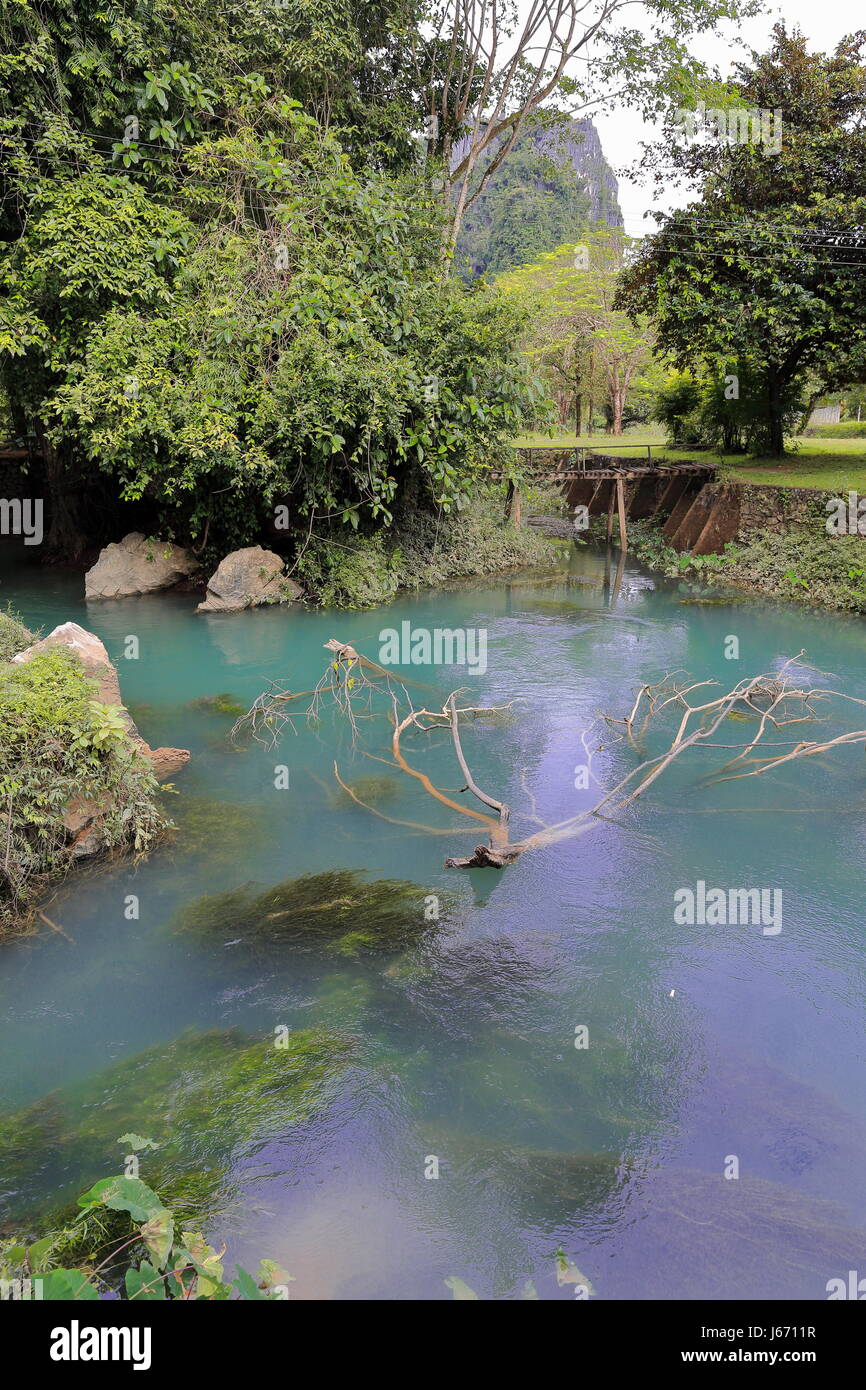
{"points": [[708, 1142]]}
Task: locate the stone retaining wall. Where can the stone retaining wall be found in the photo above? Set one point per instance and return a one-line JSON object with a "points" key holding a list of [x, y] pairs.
{"points": [[702, 517]]}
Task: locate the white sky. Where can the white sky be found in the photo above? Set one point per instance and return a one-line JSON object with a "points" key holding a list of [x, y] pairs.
{"points": [[824, 22]]}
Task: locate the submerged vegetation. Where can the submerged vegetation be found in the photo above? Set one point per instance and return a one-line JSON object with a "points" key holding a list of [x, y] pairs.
{"points": [[203, 826], [224, 703], [203, 1100], [338, 912]]}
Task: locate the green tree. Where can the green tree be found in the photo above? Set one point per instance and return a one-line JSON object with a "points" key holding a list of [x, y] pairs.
{"points": [[766, 268], [211, 301], [575, 330]]}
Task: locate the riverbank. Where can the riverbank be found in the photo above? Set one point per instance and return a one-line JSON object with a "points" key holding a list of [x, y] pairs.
{"points": [[423, 551], [800, 564], [800, 544], [77, 780]]}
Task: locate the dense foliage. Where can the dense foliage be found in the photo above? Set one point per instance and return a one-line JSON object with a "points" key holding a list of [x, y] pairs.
{"points": [[727, 413], [213, 304], [763, 275], [420, 551], [58, 743], [227, 311]]}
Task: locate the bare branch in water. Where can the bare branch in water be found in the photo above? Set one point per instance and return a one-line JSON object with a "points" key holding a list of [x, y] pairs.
{"points": [[770, 701]]}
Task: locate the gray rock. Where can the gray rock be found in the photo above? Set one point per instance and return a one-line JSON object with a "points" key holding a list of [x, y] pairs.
{"points": [[137, 565], [84, 817], [247, 578]]}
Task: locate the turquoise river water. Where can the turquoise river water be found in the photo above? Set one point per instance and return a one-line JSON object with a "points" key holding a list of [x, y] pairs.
{"points": [[709, 1047]]}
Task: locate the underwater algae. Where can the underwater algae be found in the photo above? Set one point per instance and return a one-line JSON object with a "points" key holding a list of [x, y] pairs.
{"points": [[224, 703], [205, 1100], [204, 826], [339, 912]]}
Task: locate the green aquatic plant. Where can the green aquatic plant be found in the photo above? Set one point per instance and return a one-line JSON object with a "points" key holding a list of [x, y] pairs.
{"points": [[371, 790], [205, 1099], [338, 911], [205, 826], [155, 1259], [224, 703]]}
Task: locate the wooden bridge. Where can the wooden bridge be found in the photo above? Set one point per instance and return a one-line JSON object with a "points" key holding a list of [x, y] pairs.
{"points": [[597, 480]]}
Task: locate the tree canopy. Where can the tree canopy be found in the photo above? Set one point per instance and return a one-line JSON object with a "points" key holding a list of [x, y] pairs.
{"points": [[764, 275], [225, 270], [588, 347]]}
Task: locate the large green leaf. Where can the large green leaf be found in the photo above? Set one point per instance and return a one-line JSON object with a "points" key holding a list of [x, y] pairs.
{"points": [[123, 1194], [246, 1285], [145, 1284], [66, 1285], [158, 1234]]}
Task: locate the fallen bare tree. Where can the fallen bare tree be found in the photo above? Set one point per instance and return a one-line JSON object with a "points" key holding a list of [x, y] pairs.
{"points": [[773, 702]]}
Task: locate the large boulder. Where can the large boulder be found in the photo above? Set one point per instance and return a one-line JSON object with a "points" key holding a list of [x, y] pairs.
{"points": [[247, 578], [137, 565], [84, 817]]}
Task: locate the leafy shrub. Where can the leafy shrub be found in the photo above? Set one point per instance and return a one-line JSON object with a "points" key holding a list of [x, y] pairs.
{"points": [[161, 1264], [421, 551], [59, 743], [14, 636]]}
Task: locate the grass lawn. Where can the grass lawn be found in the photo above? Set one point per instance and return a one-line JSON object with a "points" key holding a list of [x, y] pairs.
{"points": [[837, 465]]}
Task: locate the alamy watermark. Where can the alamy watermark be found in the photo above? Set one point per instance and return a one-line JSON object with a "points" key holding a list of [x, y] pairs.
{"points": [[846, 517], [732, 907], [735, 125], [20, 1290], [22, 516], [438, 646]]}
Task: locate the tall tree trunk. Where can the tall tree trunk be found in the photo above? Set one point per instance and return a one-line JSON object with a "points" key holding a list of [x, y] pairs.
{"points": [[65, 537], [617, 404], [774, 416]]}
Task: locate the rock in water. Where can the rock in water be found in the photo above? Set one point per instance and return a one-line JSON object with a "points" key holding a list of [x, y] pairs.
{"points": [[137, 565], [247, 578], [84, 817]]}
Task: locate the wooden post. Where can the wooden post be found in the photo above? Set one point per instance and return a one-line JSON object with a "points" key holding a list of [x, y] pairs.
{"points": [[509, 499], [610, 511], [617, 583], [620, 502]]}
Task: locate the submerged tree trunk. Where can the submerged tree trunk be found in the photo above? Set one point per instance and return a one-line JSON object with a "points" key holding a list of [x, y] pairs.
{"points": [[773, 701]]}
